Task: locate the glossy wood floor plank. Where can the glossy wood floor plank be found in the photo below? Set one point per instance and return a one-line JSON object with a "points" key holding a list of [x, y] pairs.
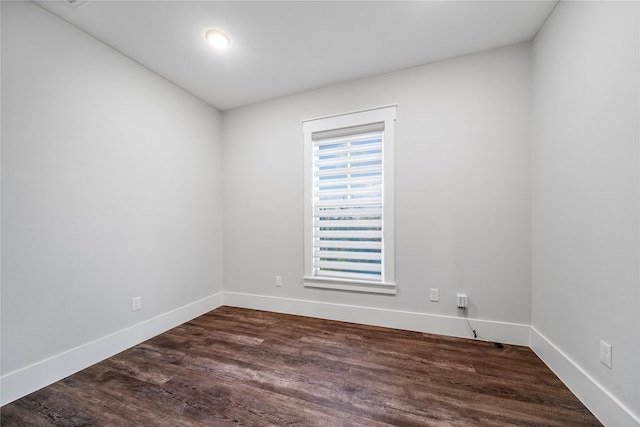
{"points": [[255, 368]]}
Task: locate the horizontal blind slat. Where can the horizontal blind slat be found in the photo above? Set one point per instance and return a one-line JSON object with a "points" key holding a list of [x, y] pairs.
{"points": [[346, 244], [348, 255], [363, 223], [353, 181], [373, 201], [340, 149], [363, 191], [373, 277], [350, 212], [350, 266], [348, 234], [354, 170], [345, 161]]}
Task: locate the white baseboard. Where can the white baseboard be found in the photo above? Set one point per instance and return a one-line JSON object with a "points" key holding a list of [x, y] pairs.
{"points": [[508, 333], [21, 382], [606, 407]]}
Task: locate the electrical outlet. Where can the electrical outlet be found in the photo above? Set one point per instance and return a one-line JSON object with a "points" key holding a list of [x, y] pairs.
{"points": [[462, 300], [136, 303], [434, 295], [605, 354], [278, 281]]}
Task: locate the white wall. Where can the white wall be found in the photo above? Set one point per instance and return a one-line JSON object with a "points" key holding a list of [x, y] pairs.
{"points": [[462, 190], [586, 197], [111, 188]]}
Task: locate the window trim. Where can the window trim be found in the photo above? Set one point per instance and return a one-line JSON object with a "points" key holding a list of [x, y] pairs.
{"points": [[386, 115]]}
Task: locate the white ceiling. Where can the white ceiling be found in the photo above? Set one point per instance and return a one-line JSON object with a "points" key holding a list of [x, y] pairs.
{"points": [[279, 48]]}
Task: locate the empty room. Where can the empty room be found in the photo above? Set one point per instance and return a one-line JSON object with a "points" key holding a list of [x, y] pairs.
{"points": [[320, 213]]}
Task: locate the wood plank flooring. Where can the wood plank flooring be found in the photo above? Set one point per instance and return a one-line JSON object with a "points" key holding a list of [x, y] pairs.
{"points": [[255, 368]]}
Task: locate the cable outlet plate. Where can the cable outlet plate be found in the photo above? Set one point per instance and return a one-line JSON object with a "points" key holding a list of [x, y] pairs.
{"points": [[605, 354], [461, 300]]}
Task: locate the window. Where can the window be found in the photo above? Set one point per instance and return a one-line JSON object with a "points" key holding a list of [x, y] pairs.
{"points": [[349, 206]]}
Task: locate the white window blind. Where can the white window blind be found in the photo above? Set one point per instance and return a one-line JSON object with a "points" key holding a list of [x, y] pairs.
{"points": [[347, 203], [349, 236]]}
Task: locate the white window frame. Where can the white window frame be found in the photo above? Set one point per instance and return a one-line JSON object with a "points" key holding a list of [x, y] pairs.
{"points": [[387, 116]]}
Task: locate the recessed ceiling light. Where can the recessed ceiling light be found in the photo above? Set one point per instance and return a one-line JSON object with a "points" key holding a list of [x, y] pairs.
{"points": [[218, 39]]}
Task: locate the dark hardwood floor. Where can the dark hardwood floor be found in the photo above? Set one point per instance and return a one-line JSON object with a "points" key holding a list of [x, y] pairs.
{"points": [[255, 368]]}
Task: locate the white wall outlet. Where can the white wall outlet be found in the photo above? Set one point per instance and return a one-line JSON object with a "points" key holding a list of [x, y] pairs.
{"points": [[605, 354], [278, 281], [434, 294], [136, 303], [461, 300]]}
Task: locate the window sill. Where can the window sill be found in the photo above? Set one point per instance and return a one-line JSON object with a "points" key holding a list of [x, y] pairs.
{"points": [[350, 285]]}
